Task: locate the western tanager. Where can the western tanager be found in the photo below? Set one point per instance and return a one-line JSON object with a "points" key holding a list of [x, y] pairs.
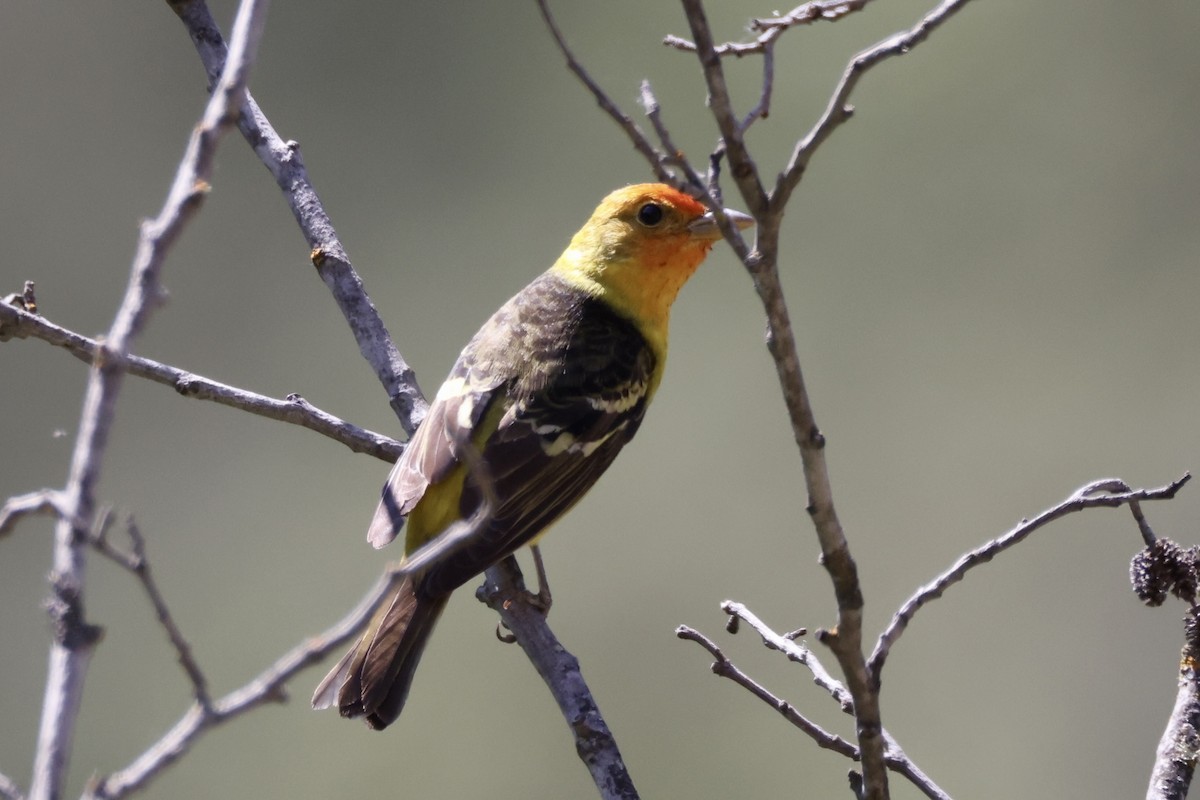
{"points": [[542, 398]]}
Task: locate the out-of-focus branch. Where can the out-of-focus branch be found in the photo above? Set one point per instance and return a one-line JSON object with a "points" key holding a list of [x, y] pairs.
{"points": [[15, 322], [44, 501], [267, 687], [326, 250], [1106, 493], [74, 638], [9, 789], [771, 28], [134, 560], [504, 592]]}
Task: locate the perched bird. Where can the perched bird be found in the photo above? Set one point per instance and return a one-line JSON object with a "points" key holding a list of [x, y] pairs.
{"points": [[542, 399]]}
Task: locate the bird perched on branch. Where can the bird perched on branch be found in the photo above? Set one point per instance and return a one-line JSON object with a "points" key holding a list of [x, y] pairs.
{"points": [[537, 406]]}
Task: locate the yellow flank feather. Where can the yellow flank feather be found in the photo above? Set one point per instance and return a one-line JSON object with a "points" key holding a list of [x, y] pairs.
{"points": [[440, 506]]}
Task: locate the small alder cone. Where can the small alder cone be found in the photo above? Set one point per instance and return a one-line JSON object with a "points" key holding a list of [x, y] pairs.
{"points": [[1164, 568]]}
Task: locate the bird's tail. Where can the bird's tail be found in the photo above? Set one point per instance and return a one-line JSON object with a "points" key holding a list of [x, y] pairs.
{"points": [[373, 679]]}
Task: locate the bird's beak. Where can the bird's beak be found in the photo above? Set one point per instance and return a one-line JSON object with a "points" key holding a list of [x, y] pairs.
{"points": [[706, 227]]}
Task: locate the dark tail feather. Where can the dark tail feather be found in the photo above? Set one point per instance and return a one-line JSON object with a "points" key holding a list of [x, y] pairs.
{"points": [[373, 679]]}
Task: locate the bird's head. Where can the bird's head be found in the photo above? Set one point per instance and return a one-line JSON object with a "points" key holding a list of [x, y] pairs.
{"points": [[640, 246]]}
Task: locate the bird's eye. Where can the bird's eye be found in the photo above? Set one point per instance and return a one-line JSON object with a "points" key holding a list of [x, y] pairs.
{"points": [[650, 214]]}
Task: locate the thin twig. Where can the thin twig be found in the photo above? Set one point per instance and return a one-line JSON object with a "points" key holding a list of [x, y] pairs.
{"points": [[771, 28], [326, 252], [763, 108], [294, 409], [894, 756], [74, 637], [658, 160], [839, 110], [1135, 507], [135, 562], [725, 668], [653, 113], [9, 790], [44, 501], [1106, 493], [267, 687]]}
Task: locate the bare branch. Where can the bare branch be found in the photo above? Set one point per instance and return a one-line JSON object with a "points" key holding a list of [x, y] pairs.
{"points": [[795, 651], [894, 756], [326, 251], [763, 109], [838, 110], [1106, 493], [74, 637], [136, 562], [725, 668], [9, 789], [294, 409], [772, 28], [267, 687], [658, 160], [504, 592], [674, 155], [45, 501]]}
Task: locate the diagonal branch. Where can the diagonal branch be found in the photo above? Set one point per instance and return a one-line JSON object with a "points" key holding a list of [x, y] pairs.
{"points": [[74, 637], [9, 790], [267, 687], [894, 757], [504, 592], [658, 160], [326, 250], [1106, 493], [135, 562], [771, 28], [725, 668], [15, 322]]}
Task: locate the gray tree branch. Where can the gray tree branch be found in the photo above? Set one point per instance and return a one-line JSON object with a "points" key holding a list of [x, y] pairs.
{"points": [[1104, 493], [326, 252], [269, 686], [19, 323]]}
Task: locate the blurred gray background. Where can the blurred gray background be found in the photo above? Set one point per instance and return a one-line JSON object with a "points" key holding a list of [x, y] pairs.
{"points": [[992, 273]]}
